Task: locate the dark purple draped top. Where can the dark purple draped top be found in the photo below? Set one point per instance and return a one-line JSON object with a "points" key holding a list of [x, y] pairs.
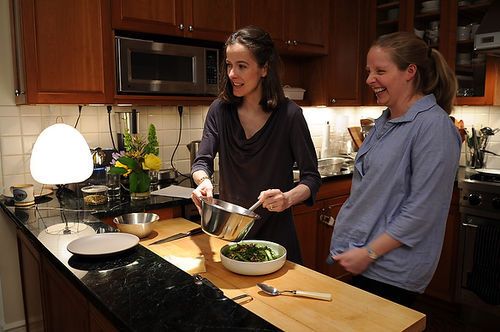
{"points": [[264, 161]]}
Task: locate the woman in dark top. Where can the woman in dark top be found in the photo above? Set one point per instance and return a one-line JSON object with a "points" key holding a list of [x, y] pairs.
{"points": [[259, 134]]}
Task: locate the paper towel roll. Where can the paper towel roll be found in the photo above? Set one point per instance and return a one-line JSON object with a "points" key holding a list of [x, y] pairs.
{"points": [[325, 143]]}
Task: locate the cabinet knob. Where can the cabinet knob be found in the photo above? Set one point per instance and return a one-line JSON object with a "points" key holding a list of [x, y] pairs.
{"points": [[190, 28], [295, 43], [181, 26], [333, 101], [288, 42]]}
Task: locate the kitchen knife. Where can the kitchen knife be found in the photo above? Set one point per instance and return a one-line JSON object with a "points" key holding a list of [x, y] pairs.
{"points": [[179, 236]]}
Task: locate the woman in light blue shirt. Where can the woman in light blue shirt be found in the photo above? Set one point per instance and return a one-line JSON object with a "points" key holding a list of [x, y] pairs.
{"points": [[390, 231]]}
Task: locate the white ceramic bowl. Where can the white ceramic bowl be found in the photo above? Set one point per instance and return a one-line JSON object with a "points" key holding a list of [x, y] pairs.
{"points": [[254, 268]]}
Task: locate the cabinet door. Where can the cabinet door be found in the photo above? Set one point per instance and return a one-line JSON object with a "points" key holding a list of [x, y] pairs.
{"points": [[269, 15], [328, 215], [66, 308], [306, 225], [306, 25], [68, 51], [153, 16], [341, 72], [475, 71], [31, 271], [442, 285], [210, 19]]}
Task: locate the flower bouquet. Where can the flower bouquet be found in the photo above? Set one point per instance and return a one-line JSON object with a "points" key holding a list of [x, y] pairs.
{"points": [[139, 157]]}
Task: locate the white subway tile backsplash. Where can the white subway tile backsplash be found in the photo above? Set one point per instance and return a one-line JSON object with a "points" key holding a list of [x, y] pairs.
{"points": [[11, 145], [20, 125], [10, 125], [28, 142], [13, 165], [10, 111], [31, 125]]}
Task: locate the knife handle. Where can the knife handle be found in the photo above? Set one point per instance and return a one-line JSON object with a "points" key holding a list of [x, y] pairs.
{"points": [[314, 295], [195, 231]]}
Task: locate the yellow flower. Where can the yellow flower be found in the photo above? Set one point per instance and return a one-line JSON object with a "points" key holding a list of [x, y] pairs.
{"points": [[119, 164], [151, 162]]}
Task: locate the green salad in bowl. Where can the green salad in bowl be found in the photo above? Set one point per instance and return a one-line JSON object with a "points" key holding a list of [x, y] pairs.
{"points": [[253, 257]]}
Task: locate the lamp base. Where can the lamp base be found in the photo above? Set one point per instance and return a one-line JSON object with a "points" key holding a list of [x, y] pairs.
{"points": [[66, 228]]}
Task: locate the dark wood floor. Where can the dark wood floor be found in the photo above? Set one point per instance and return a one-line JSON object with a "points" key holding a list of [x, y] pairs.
{"points": [[442, 317]]}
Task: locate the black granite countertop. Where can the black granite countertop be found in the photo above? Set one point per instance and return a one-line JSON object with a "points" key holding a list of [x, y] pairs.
{"points": [[135, 289]]}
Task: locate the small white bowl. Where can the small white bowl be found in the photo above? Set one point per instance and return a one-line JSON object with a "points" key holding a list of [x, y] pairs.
{"points": [[254, 268]]}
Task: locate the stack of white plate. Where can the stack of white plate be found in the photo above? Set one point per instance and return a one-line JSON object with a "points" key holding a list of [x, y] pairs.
{"points": [[430, 6]]}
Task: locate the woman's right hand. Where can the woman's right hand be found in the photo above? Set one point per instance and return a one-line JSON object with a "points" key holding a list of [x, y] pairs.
{"points": [[204, 189]]}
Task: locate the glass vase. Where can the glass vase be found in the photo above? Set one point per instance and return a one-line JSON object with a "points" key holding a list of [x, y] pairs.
{"points": [[138, 196]]}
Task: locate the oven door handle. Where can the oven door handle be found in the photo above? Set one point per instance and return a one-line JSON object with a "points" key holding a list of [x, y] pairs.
{"points": [[469, 225]]}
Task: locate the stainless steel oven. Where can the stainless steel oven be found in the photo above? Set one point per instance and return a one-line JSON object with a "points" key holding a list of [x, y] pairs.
{"points": [[478, 282], [152, 67]]}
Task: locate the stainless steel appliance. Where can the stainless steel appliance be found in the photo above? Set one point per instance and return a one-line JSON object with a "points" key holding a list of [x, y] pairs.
{"points": [[127, 121], [478, 282], [487, 38], [151, 67]]}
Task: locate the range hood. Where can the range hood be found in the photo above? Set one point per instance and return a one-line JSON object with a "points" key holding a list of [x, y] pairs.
{"points": [[487, 38]]}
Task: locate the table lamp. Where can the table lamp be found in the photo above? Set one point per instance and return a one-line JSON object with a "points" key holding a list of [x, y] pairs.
{"points": [[61, 156]]}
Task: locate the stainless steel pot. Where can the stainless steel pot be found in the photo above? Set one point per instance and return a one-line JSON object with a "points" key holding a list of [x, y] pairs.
{"points": [[224, 220], [193, 150]]}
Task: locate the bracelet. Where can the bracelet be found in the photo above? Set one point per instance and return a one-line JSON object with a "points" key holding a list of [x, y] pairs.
{"points": [[203, 178], [371, 253]]}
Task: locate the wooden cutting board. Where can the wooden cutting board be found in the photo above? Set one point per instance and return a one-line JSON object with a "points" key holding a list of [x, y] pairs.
{"points": [[350, 310]]}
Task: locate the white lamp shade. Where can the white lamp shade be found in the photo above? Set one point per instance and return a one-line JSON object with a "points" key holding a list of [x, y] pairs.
{"points": [[61, 156]]}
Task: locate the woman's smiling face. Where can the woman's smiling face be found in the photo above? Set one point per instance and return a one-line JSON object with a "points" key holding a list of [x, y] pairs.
{"points": [[243, 71], [387, 81]]}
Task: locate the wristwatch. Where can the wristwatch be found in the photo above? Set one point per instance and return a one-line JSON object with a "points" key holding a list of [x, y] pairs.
{"points": [[371, 253]]}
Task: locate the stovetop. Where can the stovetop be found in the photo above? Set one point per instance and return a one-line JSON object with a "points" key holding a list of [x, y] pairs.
{"points": [[484, 177]]}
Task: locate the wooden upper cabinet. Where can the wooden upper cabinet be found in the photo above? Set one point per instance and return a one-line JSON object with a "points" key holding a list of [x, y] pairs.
{"points": [[152, 16], [307, 26], [296, 26], [338, 79], [210, 19], [269, 15], [67, 50], [201, 19]]}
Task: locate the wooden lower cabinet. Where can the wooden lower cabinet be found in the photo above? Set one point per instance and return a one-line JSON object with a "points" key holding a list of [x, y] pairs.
{"points": [[314, 225], [442, 285], [51, 301]]}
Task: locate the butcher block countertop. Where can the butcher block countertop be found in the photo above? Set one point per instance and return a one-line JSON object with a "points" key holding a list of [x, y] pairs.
{"points": [[351, 309]]}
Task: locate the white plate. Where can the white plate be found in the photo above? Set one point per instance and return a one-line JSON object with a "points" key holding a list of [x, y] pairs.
{"points": [[429, 10], [36, 192], [492, 171], [102, 244]]}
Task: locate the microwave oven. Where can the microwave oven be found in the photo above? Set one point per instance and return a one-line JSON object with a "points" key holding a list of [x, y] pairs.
{"points": [[151, 67]]}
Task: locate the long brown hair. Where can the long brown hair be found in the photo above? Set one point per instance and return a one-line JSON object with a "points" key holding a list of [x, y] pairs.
{"points": [[433, 73], [261, 45]]}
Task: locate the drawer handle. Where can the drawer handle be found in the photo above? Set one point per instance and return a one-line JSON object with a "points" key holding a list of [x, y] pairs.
{"points": [[469, 225], [329, 220]]}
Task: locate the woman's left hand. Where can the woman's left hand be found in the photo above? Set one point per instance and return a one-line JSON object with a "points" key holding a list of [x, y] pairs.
{"points": [[355, 260], [274, 200]]}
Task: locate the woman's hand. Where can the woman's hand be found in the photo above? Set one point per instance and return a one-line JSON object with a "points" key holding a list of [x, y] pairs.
{"points": [[355, 260], [274, 200], [204, 189]]}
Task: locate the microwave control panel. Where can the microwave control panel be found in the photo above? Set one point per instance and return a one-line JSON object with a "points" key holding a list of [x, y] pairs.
{"points": [[211, 60]]}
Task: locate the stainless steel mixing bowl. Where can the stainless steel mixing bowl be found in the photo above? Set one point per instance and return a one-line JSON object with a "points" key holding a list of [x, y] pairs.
{"points": [[139, 223], [224, 220]]}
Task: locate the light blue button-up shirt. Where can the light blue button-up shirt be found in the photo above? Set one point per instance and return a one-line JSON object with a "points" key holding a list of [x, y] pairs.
{"points": [[402, 184]]}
